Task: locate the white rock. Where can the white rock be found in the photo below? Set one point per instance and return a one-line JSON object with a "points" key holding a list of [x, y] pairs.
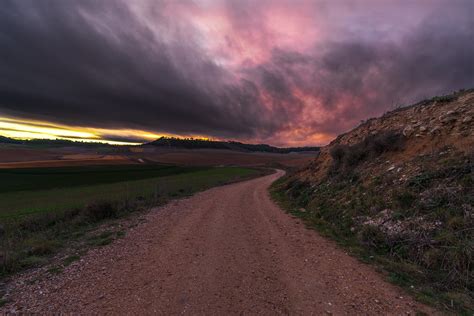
{"points": [[407, 131], [448, 117]]}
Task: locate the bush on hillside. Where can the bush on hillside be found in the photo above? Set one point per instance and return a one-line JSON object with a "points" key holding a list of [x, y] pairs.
{"points": [[98, 211], [348, 157], [421, 230]]}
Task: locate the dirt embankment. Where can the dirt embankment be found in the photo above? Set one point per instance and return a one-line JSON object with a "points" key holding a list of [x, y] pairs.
{"points": [[400, 188], [429, 127]]}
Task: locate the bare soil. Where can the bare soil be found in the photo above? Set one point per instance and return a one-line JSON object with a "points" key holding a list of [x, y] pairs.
{"points": [[15, 154], [213, 157], [228, 250], [66, 163], [21, 157]]}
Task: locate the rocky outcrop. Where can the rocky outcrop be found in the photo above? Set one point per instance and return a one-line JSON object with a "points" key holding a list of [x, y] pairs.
{"points": [[428, 126], [401, 186]]}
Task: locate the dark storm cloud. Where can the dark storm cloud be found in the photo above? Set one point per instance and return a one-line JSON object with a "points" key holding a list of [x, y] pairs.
{"points": [[356, 78], [93, 63], [99, 63]]}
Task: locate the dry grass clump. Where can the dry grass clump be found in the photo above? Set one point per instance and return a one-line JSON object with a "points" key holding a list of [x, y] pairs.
{"points": [[347, 157]]}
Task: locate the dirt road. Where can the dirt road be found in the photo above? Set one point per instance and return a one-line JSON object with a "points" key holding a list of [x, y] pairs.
{"points": [[228, 250]]}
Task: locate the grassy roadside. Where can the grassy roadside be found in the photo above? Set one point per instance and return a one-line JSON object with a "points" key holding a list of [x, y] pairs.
{"points": [[328, 208], [38, 230], [71, 191]]}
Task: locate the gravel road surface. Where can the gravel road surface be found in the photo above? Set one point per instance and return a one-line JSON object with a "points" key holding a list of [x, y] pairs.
{"points": [[228, 250]]}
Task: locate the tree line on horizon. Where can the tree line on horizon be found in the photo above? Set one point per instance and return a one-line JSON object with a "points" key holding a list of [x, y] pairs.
{"points": [[197, 143]]}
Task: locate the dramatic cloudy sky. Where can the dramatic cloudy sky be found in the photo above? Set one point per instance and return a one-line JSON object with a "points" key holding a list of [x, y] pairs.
{"points": [[281, 72]]}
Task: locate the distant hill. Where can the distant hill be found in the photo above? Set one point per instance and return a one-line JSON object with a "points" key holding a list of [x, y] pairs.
{"points": [[167, 142], [6, 140], [49, 142], [191, 143]]}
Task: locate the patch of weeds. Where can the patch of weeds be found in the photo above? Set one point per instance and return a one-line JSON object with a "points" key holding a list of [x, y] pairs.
{"points": [[106, 234], [427, 296], [398, 215], [300, 191], [102, 242], [41, 246], [445, 98], [121, 234], [34, 238], [70, 259], [55, 270], [467, 180], [102, 239], [33, 280], [371, 236], [457, 299], [377, 181], [32, 261], [98, 211], [3, 302], [399, 279], [346, 157], [78, 234], [405, 199]]}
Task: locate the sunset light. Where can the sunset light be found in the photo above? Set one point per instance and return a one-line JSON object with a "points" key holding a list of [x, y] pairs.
{"points": [[237, 157], [257, 71], [30, 129]]}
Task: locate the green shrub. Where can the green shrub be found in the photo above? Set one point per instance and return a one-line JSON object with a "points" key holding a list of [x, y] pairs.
{"points": [[338, 152], [38, 223], [445, 98], [40, 246], [371, 236], [98, 211], [70, 259], [405, 199], [32, 261]]}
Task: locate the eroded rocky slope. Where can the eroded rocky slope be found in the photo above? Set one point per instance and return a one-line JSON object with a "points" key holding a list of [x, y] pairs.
{"points": [[399, 188]]}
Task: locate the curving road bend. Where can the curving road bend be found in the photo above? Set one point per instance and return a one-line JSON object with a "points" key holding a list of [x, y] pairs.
{"points": [[228, 250]]}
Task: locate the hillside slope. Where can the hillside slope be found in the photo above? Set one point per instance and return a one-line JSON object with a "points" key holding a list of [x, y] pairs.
{"points": [[399, 191]]}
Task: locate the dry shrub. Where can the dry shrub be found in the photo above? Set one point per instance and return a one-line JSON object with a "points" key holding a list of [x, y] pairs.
{"points": [[348, 157], [101, 210]]}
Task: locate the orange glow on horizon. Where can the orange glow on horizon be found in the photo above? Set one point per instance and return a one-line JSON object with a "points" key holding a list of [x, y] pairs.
{"points": [[32, 129], [25, 129]]}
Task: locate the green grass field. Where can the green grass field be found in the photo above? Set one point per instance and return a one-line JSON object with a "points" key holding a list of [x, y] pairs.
{"points": [[58, 189], [41, 210], [51, 178]]}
